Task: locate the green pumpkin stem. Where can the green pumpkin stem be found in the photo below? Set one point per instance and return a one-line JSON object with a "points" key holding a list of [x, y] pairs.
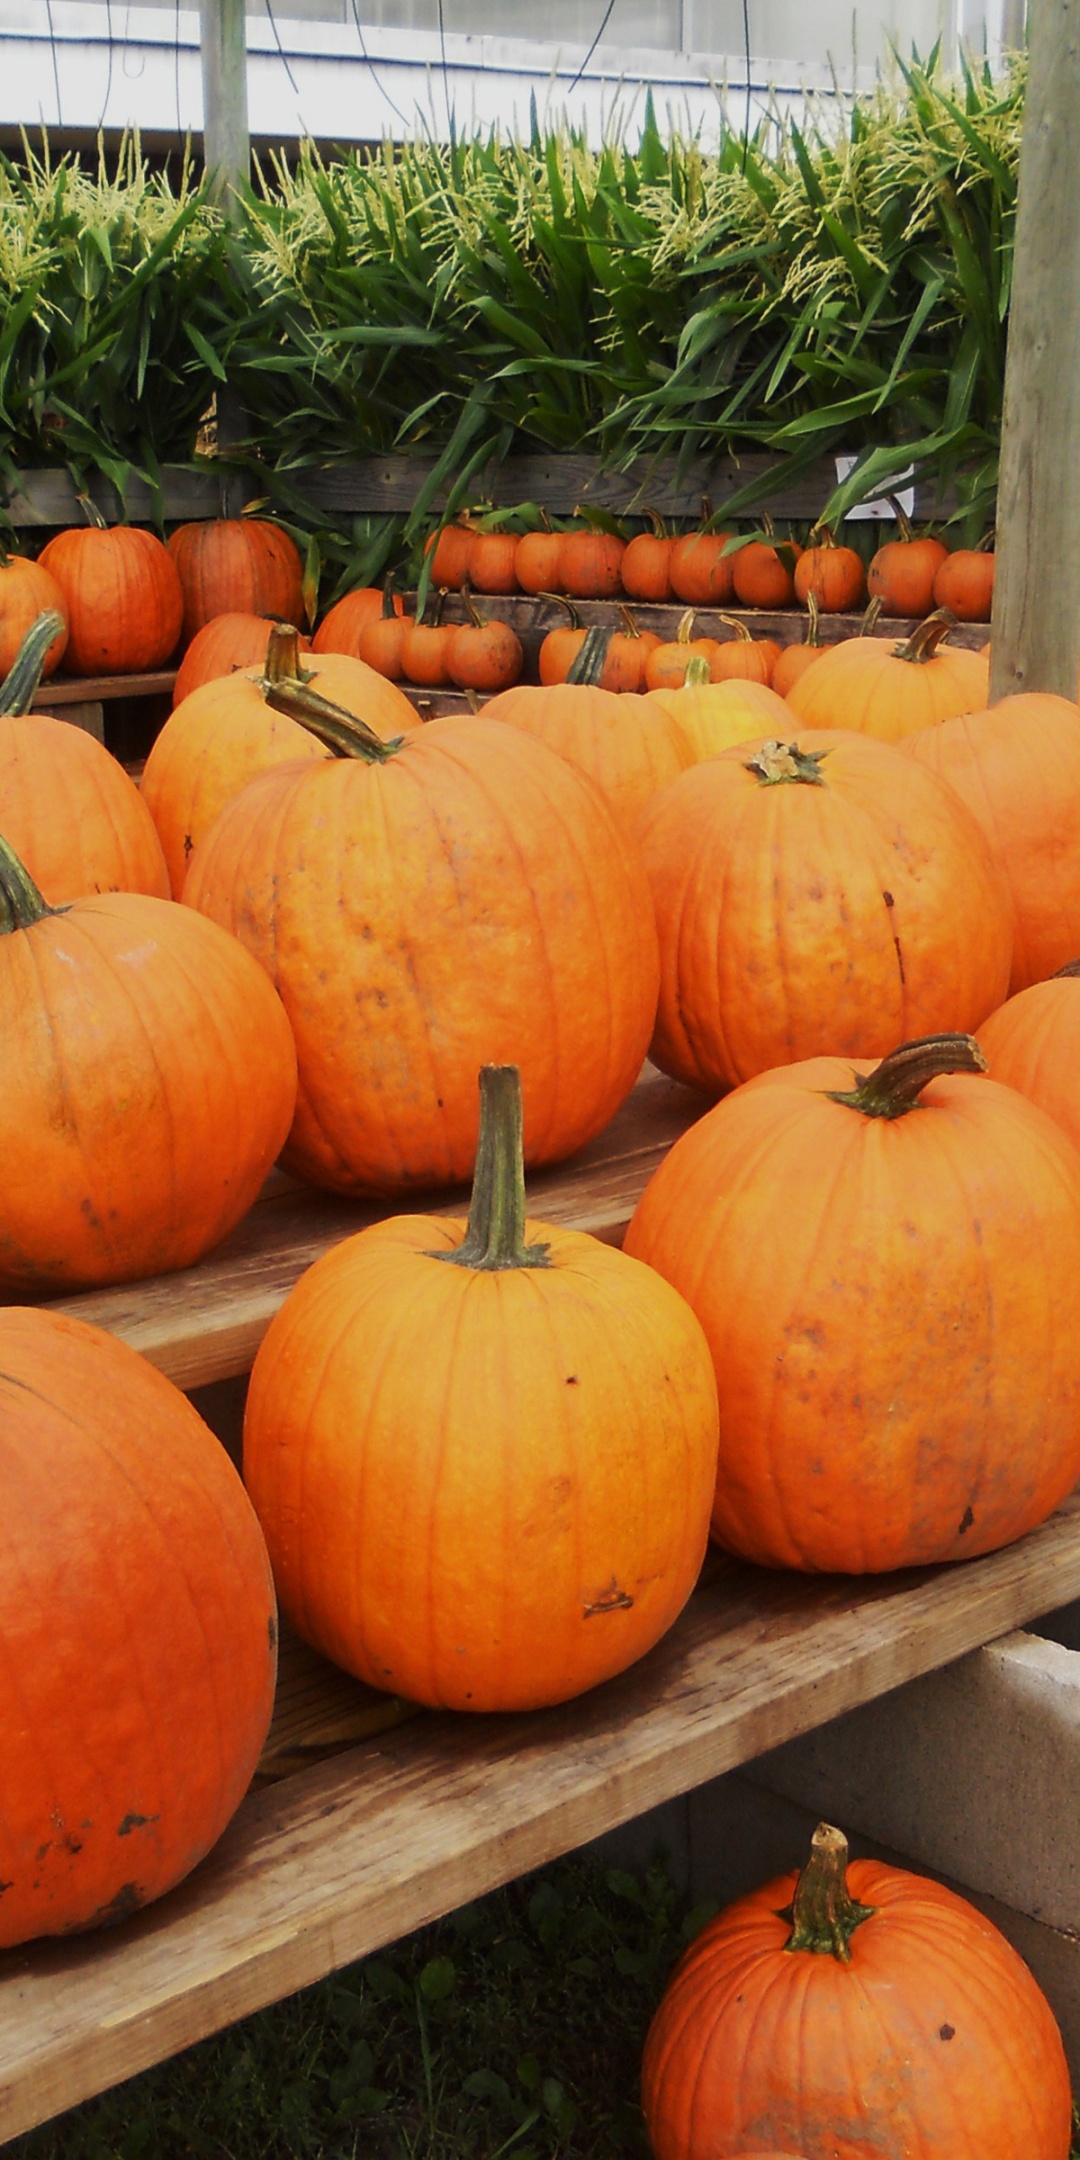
{"points": [[813, 627], [824, 1915], [895, 1086], [495, 1236], [926, 637], [697, 672], [777, 762], [286, 686], [21, 904], [283, 656], [588, 661], [21, 681], [902, 518]]}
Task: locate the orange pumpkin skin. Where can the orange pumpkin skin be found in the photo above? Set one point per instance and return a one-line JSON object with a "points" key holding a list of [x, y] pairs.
{"points": [[224, 645], [792, 664], [122, 598], [964, 583], [646, 567], [562, 1418], [716, 716], [559, 651], [381, 644], [834, 575], [840, 2061], [138, 1627], [72, 814], [744, 659], [343, 625], [699, 570], [484, 656], [628, 745], [237, 566], [1032, 1044], [509, 922], [226, 733], [858, 1433], [863, 684], [590, 565], [1017, 767], [27, 590], [536, 561], [798, 918], [451, 559], [902, 575], [762, 578], [122, 1016], [489, 561]]}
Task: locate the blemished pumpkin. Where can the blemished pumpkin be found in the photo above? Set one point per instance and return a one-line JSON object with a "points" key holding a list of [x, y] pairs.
{"points": [[138, 1630], [518, 1513], [1032, 1043], [892, 691], [463, 898], [854, 2009], [483, 653], [884, 1261], [223, 646], [1017, 767], [808, 901], [28, 591], [122, 597], [149, 1083], [590, 565], [237, 726], [343, 625], [244, 566]]}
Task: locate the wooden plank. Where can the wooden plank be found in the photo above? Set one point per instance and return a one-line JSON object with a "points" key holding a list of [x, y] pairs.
{"points": [[532, 617], [49, 497], [1037, 596], [76, 690], [330, 1864], [207, 1322]]}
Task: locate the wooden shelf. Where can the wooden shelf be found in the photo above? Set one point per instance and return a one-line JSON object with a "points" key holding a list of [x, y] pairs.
{"points": [[100, 689]]}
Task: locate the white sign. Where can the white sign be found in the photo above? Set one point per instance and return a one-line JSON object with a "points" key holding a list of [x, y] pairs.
{"points": [[879, 508]]}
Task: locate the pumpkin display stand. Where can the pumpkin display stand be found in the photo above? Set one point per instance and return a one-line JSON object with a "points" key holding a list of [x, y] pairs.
{"points": [[369, 1818]]}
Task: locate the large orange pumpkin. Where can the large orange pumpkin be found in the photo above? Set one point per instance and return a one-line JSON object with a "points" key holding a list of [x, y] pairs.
{"points": [[137, 1630], [149, 1082], [628, 744], [892, 691], [808, 901], [224, 645], [1017, 767], [237, 566], [1032, 1043], [27, 591], [853, 2011], [522, 1510], [885, 1265], [122, 597], [239, 725], [465, 897]]}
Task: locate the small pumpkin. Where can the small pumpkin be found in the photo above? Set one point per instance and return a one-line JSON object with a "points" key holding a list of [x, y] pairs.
{"points": [[149, 1083], [646, 565], [764, 573], [343, 625], [742, 656], [536, 559], [892, 691], [699, 570], [714, 716], [964, 583], [590, 565], [381, 642], [225, 644], [559, 1383], [450, 561], [424, 644], [28, 591], [901, 574], [483, 655], [833, 575], [666, 665], [489, 561], [855, 2009], [122, 598], [795, 659], [869, 1421], [244, 566], [138, 1630], [560, 647]]}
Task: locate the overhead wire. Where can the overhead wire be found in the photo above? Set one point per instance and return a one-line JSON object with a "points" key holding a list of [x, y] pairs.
{"points": [[606, 18], [445, 71], [284, 58], [380, 87], [55, 63], [108, 78], [746, 53], [176, 62]]}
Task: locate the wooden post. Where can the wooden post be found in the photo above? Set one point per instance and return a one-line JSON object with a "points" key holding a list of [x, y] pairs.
{"points": [[1036, 626], [226, 142]]}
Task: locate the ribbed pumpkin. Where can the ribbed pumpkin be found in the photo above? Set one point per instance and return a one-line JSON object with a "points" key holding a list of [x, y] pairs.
{"points": [[885, 1264], [646, 566], [122, 597], [137, 1630], [27, 591], [68, 809], [424, 644], [964, 583], [714, 716], [1017, 767], [590, 565], [483, 653], [795, 659], [381, 642], [519, 1511], [242, 566], [536, 560], [850, 2011], [489, 561], [629, 745], [892, 691], [465, 898], [223, 646], [149, 1083], [807, 900], [699, 570], [833, 575], [741, 657], [1032, 1044], [343, 625], [902, 572], [231, 729]]}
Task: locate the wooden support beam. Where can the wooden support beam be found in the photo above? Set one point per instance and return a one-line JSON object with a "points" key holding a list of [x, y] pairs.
{"points": [[1036, 627], [226, 141]]}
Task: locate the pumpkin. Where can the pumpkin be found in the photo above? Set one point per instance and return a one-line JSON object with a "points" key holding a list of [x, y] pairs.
{"points": [[230, 566], [699, 570], [1017, 767], [748, 658], [483, 655], [122, 598], [849, 2010], [795, 659], [764, 575], [834, 575], [27, 591], [536, 559], [646, 566], [225, 644], [489, 562], [892, 691], [808, 900], [666, 665], [231, 729], [518, 1513], [627, 656], [627, 744], [464, 897], [343, 625], [137, 1624], [884, 1261], [149, 1082], [964, 583], [1031, 1043], [380, 644], [590, 565], [713, 716], [424, 646], [560, 647], [901, 574], [68, 809], [450, 562]]}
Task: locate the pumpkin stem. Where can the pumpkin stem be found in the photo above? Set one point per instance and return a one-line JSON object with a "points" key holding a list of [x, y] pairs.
{"points": [[286, 686], [21, 681], [776, 762], [896, 1084], [741, 632], [630, 627], [495, 1234], [697, 672], [902, 518], [588, 661], [823, 1914], [388, 608], [283, 656], [660, 531], [926, 637], [21, 904], [470, 607], [92, 513], [813, 636], [559, 599], [686, 624]]}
